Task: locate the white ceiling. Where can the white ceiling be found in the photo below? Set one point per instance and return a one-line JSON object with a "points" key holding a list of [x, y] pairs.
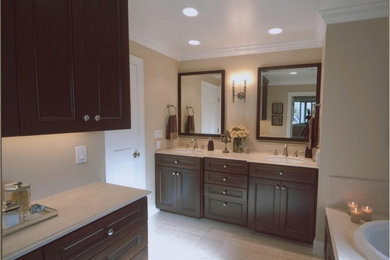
{"points": [[238, 27]]}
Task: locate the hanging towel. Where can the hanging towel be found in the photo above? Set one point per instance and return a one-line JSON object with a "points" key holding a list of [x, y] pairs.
{"points": [[190, 124], [171, 132]]}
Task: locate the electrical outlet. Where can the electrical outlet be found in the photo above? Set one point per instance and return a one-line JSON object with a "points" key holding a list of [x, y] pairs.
{"points": [[81, 154]]}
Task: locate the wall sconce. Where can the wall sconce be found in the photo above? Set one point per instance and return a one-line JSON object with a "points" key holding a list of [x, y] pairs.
{"points": [[241, 94]]}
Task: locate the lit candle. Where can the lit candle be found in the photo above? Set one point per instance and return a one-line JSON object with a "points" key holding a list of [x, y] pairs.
{"points": [[366, 213], [356, 215], [351, 205]]}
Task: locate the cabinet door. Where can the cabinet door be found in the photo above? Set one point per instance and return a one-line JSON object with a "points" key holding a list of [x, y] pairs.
{"points": [[263, 205], [166, 191], [102, 51], [45, 66], [188, 186], [297, 210]]}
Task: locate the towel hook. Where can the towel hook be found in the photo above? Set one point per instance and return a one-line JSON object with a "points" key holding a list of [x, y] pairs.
{"points": [[169, 106]]}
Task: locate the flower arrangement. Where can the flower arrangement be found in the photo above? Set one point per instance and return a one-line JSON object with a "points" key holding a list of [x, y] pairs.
{"points": [[238, 134], [239, 131]]}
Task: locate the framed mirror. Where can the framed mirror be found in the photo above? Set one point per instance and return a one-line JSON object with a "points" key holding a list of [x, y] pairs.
{"points": [[287, 98], [201, 103]]}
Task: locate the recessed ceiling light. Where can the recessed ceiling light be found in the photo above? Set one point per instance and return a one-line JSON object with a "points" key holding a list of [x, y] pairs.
{"points": [[293, 72], [191, 12], [194, 42], [275, 31]]}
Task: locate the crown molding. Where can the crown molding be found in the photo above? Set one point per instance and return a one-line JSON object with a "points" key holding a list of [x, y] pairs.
{"points": [[356, 12], [252, 49], [140, 39]]}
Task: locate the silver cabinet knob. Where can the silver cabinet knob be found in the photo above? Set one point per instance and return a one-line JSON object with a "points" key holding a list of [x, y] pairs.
{"points": [[176, 161], [97, 118], [224, 179], [224, 192], [281, 173], [110, 232], [224, 166], [173, 173], [277, 187], [178, 174], [224, 204], [283, 187], [86, 118]]}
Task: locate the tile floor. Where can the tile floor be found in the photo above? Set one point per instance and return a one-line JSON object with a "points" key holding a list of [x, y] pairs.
{"points": [[175, 237]]}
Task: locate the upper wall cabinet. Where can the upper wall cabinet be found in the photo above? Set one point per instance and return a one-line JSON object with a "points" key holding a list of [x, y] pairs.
{"points": [[65, 66]]}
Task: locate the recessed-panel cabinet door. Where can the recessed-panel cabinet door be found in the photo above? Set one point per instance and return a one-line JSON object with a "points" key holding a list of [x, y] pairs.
{"points": [[45, 66], [297, 206], [107, 63], [189, 192], [263, 205], [166, 191]]}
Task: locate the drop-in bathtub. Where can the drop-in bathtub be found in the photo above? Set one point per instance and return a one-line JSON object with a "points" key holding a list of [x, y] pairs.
{"points": [[372, 240]]}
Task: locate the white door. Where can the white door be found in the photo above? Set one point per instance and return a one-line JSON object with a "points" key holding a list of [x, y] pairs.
{"points": [[211, 108], [125, 149]]}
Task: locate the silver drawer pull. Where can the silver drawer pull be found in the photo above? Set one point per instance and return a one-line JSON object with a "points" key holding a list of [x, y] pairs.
{"points": [[86, 118], [224, 192], [283, 187], [176, 161], [173, 173], [224, 204], [110, 232], [178, 174], [224, 166], [277, 187], [97, 118], [224, 179], [281, 173]]}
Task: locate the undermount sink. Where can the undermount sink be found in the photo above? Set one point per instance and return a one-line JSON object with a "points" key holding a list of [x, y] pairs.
{"points": [[372, 239], [187, 150], [283, 159]]}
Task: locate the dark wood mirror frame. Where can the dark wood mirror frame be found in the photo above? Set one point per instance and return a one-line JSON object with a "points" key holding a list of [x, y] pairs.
{"points": [[261, 96], [222, 100]]}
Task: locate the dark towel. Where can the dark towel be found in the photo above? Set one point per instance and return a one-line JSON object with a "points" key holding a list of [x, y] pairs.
{"points": [[190, 124], [171, 132]]}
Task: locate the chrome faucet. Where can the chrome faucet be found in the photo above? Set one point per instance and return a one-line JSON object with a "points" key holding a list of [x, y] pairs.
{"points": [[195, 142], [285, 150]]}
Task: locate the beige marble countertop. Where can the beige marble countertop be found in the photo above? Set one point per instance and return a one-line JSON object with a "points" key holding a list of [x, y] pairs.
{"points": [[252, 157], [342, 230], [76, 208]]}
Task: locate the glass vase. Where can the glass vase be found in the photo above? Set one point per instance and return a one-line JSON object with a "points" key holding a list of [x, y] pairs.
{"points": [[238, 145]]}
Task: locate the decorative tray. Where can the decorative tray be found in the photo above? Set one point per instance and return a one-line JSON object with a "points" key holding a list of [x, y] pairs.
{"points": [[14, 221]]}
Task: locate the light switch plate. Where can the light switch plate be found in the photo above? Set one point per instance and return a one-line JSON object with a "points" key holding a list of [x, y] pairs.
{"points": [[158, 134], [158, 145], [81, 154]]}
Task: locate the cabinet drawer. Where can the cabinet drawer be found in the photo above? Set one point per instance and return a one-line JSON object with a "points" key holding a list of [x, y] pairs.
{"points": [[127, 247], [224, 192], [228, 166], [284, 173], [178, 161], [232, 180], [34, 255], [98, 235], [225, 210]]}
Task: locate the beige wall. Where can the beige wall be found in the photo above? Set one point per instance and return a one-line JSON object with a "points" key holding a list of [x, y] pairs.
{"points": [[355, 105], [48, 161], [245, 113], [160, 85]]}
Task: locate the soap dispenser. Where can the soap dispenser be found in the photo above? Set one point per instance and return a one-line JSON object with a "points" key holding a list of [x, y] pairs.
{"points": [[210, 145]]}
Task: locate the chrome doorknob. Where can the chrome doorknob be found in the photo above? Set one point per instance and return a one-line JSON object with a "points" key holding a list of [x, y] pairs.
{"points": [[136, 154]]}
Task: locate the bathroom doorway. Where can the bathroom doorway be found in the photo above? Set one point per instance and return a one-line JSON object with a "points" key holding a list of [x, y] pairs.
{"points": [[125, 149]]}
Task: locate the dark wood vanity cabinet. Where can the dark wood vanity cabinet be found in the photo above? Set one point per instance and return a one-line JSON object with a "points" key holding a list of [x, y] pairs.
{"points": [[225, 190], [65, 66], [119, 235], [282, 200], [178, 184]]}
